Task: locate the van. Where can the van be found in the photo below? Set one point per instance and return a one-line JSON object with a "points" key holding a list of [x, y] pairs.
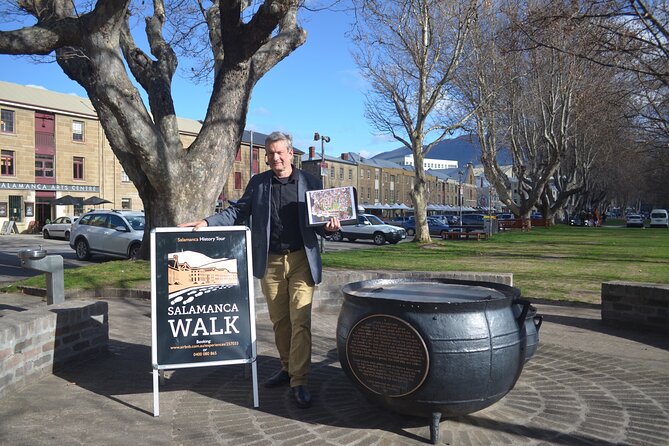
{"points": [[659, 218]]}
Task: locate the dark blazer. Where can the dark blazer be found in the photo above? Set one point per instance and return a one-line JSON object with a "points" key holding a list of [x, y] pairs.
{"points": [[256, 202]]}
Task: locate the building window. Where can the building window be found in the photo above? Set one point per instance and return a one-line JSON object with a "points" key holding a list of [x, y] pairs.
{"points": [[369, 174], [44, 166], [341, 173], [238, 180], [238, 155], [78, 168], [362, 173], [7, 163], [332, 173], [350, 174], [124, 176], [7, 121], [126, 203], [78, 131]]}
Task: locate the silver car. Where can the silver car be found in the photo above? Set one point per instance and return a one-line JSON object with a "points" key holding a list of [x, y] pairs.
{"points": [[370, 227], [59, 228], [110, 233]]}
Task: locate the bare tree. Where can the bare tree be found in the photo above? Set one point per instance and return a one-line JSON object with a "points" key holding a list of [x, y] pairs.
{"points": [[93, 45], [409, 51], [540, 102], [631, 36]]}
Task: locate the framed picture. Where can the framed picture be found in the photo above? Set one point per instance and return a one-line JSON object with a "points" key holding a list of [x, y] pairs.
{"points": [[336, 202], [30, 209], [3, 209]]}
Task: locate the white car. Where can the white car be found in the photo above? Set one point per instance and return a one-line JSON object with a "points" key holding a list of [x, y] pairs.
{"points": [[109, 233], [659, 218], [634, 221], [370, 227], [59, 228]]}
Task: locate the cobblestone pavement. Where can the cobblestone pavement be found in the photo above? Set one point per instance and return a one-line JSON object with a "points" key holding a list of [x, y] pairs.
{"points": [[587, 385]]}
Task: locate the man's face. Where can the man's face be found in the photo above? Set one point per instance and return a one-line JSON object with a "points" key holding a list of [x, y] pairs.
{"points": [[279, 158]]}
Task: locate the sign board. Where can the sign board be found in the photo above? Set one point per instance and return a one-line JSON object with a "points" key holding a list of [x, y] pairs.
{"points": [[324, 169], [202, 311], [8, 227]]}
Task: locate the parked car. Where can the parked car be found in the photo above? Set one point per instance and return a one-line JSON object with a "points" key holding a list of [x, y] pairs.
{"points": [[659, 218], [634, 221], [370, 227], [110, 233], [59, 228], [473, 221], [435, 226]]}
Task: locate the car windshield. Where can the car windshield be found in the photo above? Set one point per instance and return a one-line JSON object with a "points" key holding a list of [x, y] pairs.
{"points": [[136, 221], [373, 219]]}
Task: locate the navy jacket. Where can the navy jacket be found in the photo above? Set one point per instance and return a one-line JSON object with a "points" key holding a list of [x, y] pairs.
{"points": [[256, 202]]}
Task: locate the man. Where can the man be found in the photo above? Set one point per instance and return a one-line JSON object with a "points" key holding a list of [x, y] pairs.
{"points": [[286, 256]]}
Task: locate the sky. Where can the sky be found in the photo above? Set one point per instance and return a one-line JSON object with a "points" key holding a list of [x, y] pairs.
{"points": [[317, 88]]}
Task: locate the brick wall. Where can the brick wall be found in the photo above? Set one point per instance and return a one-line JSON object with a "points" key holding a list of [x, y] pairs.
{"points": [[636, 305], [38, 341]]}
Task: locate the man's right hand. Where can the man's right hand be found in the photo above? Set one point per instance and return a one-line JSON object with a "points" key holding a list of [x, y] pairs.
{"points": [[194, 224]]}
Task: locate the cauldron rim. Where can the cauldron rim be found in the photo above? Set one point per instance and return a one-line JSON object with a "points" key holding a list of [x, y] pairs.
{"points": [[510, 294]]}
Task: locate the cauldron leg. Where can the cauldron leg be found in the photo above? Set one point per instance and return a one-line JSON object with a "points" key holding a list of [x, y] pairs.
{"points": [[434, 427]]}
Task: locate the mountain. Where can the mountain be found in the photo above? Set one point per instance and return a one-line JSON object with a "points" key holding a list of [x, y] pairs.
{"points": [[463, 149]]}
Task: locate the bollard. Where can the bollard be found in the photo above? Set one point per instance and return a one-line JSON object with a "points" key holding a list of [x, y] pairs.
{"points": [[36, 259]]}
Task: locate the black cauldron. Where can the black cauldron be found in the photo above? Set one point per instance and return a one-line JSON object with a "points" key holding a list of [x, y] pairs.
{"points": [[436, 347]]}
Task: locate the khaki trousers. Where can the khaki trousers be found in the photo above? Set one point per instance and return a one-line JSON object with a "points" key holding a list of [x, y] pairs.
{"points": [[289, 290]]}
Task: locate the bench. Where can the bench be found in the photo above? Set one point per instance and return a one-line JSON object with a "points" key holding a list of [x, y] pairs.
{"points": [[478, 235]]}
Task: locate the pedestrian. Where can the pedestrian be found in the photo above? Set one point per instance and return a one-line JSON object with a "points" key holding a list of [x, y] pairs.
{"points": [[286, 256]]}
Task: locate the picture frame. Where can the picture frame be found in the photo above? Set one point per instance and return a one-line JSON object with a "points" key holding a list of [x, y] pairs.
{"points": [[337, 202], [29, 209]]}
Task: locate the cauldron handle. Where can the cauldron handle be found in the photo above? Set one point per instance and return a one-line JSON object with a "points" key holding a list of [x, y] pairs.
{"points": [[523, 313]]}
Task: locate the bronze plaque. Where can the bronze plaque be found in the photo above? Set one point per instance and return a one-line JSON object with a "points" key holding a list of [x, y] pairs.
{"points": [[387, 355]]}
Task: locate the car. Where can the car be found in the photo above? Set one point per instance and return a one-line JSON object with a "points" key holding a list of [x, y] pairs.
{"points": [[59, 228], [434, 225], [473, 221], [111, 233], [370, 227], [659, 218], [634, 221], [505, 216]]}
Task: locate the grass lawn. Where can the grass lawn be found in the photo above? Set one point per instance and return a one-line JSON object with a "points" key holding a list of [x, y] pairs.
{"points": [[559, 263]]}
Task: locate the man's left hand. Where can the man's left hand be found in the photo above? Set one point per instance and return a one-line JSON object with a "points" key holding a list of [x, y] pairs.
{"points": [[333, 225]]}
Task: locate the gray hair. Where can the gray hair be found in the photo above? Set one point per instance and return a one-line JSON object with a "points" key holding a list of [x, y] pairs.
{"points": [[279, 136]]}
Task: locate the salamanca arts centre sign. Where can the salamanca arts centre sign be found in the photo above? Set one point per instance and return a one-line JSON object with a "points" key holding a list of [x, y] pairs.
{"points": [[202, 309], [49, 187]]}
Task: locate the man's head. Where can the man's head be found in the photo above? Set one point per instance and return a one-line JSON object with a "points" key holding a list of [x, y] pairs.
{"points": [[279, 152]]}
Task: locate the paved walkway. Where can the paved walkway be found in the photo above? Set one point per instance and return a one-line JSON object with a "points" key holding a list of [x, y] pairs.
{"points": [[587, 385]]}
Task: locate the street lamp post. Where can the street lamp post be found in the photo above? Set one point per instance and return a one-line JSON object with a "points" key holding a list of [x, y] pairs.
{"points": [[460, 173], [323, 139]]}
